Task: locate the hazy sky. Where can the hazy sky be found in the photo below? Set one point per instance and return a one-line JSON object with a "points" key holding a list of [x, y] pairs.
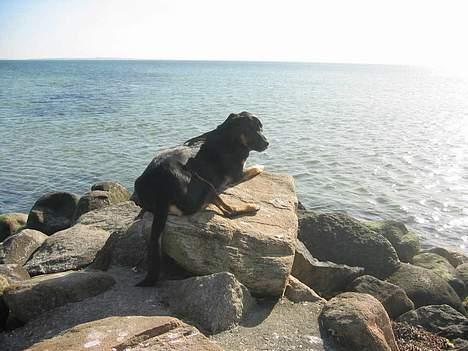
{"points": [[369, 31]]}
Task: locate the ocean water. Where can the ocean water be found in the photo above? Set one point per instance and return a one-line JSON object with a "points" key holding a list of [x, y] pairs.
{"points": [[375, 141]]}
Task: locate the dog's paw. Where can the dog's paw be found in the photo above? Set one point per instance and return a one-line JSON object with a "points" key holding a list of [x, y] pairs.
{"points": [[252, 208], [257, 169]]}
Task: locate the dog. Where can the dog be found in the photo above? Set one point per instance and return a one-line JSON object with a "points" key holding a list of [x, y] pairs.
{"points": [[184, 179]]}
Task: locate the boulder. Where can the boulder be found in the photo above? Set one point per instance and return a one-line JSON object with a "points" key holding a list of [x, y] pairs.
{"points": [[215, 302], [10, 223], [101, 195], [129, 333], [296, 291], [424, 287], [356, 322], [4, 310], [53, 212], [440, 319], [18, 248], [442, 267], [462, 274], [70, 249], [258, 249], [30, 298], [341, 239], [326, 278], [392, 297], [454, 257], [405, 242], [14, 272]]}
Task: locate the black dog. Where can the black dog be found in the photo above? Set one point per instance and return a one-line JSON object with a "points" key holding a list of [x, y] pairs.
{"points": [[184, 179]]}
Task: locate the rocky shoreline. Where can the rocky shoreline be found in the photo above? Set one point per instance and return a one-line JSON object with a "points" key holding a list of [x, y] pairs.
{"points": [[284, 279]]}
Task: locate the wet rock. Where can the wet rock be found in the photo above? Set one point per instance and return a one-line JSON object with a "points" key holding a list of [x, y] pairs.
{"points": [[18, 248], [356, 322], [442, 267], [424, 287], [101, 195], [53, 212], [70, 249], [392, 297], [258, 249], [14, 272], [10, 223], [326, 278], [341, 239], [454, 257], [215, 302], [405, 242], [296, 291], [129, 333], [30, 298], [440, 319]]}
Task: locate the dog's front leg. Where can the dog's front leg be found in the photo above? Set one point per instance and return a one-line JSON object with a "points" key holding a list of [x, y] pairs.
{"points": [[251, 172]]}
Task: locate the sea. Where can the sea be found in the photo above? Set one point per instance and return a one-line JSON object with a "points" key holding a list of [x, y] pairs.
{"points": [[374, 141]]}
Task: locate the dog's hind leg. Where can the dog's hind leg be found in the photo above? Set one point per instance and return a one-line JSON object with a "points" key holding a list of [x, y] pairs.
{"points": [[231, 211], [154, 247]]}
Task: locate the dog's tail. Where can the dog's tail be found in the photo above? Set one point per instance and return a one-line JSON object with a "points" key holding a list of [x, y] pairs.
{"points": [[155, 246]]}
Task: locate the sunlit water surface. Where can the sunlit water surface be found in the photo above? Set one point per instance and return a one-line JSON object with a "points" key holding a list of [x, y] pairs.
{"points": [[374, 141]]}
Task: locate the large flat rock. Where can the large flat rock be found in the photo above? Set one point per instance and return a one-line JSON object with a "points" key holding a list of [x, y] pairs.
{"points": [[129, 333], [258, 249]]}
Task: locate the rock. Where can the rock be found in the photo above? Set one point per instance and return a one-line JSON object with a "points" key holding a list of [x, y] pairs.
{"points": [[341, 239], [454, 257], [406, 243], [258, 250], [424, 287], [462, 274], [113, 218], [18, 248], [14, 272], [215, 302], [70, 249], [296, 291], [392, 297], [442, 267], [4, 310], [53, 212], [356, 322], [129, 333], [327, 278], [101, 195], [10, 223], [437, 319], [30, 298], [413, 338], [117, 192]]}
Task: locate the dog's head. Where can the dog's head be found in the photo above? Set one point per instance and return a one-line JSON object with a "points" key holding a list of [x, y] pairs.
{"points": [[245, 129]]}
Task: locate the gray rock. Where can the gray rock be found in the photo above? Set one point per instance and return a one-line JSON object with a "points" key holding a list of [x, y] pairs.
{"points": [[341, 239], [30, 298], [454, 257], [14, 272], [18, 248], [296, 291], [10, 223], [70, 249], [215, 302], [405, 242], [462, 274], [356, 322], [326, 278], [4, 310], [53, 212], [129, 333], [113, 218], [258, 249], [424, 287], [392, 297], [442, 267], [440, 319], [101, 195]]}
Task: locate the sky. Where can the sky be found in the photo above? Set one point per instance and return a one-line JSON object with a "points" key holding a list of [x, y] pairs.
{"points": [[429, 32]]}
